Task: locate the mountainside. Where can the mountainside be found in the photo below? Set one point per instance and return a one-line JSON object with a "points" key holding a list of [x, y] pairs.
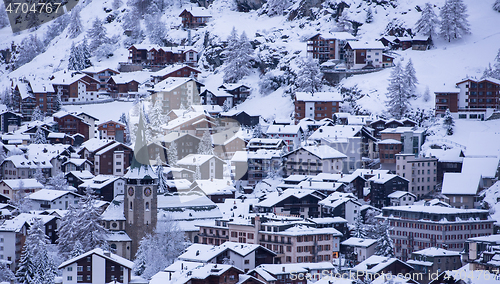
{"points": [[279, 42]]}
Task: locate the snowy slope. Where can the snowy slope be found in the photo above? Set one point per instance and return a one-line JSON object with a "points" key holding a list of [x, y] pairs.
{"points": [[440, 67]]}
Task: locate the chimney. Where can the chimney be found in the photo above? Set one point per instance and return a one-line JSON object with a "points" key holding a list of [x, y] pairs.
{"points": [[283, 269], [170, 275], [379, 175], [107, 253], [182, 265], [372, 172]]}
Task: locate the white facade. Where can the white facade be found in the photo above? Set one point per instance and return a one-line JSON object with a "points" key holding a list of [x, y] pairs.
{"points": [[420, 172], [8, 247], [310, 110], [118, 163]]}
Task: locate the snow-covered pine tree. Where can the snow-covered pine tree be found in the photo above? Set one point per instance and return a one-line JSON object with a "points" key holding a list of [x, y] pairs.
{"points": [[428, 21], [74, 58], [385, 244], [159, 250], [448, 122], [172, 154], [398, 93], [369, 15], [23, 204], [359, 228], [156, 117], [116, 4], [56, 28], [123, 118], [156, 29], [4, 18], [496, 6], [37, 114], [493, 72], [162, 181], [97, 35], [29, 48], [238, 55], [411, 78], [6, 275], [427, 94], [58, 182], [205, 145], [39, 137], [454, 23], [35, 261], [58, 102], [75, 27], [309, 76], [344, 24], [39, 175], [77, 249], [131, 23]]}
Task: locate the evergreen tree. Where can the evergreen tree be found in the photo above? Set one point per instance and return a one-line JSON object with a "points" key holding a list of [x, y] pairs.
{"points": [[58, 182], [448, 122], [398, 93], [156, 29], [344, 24], [454, 23], [162, 181], [97, 35], [56, 28], [29, 48], [385, 244], [369, 15], [427, 94], [205, 145], [123, 118], [226, 105], [23, 204], [75, 24], [77, 250], [156, 117], [159, 250], [39, 176], [238, 56], [493, 72], [411, 78], [39, 137], [172, 154], [309, 76], [36, 265], [4, 18], [131, 23], [359, 228], [82, 223], [197, 173], [37, 114], [428, 21], [58, 102], [496, 6], [116, 4], [6, 275]]}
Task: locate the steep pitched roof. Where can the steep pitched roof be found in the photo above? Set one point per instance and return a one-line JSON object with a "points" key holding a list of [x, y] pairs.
{"points": [[100, 252]]}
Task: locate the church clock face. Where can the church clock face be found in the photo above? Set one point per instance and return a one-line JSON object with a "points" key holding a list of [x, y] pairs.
{"points": [[147, 192], [130, 191]]}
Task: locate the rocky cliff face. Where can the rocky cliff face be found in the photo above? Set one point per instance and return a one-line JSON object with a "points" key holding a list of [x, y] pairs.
{"points": [[247, 5]]}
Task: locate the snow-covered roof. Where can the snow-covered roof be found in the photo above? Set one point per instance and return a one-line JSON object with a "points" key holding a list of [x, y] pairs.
{"points": [[433, 251], [319, 185], [389, 141], [50, 194], [402, 129], [204, 253], [20, 161], [76, 162], [104, 254], [140, 77], [375, 263], [337, 35], [449, 89], [279, 269], [434, 209], [170, 83], [447, 156], [40, 86], [199, 12], [110, 147], [264, 274], [66, 77], [24, 90], [171, 68], [486, 167], [318, 97], [114, 212], [29, 183], [336, 131], [383, 178], [117, 236], [95, 143], [274, 198], [358, 242], [460, 183], [323, 152], [97, 69], [327, 220], [200, 272], [195, 160], [366, 45], [283, 129], [215, 186], [82, 174], [483, 144], [399, 194]]}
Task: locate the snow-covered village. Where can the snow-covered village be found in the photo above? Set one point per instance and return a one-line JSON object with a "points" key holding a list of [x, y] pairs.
{"points": [[250, 141]]}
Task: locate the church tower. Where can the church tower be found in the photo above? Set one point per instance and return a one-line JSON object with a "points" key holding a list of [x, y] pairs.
{"points": [[140, 196]]}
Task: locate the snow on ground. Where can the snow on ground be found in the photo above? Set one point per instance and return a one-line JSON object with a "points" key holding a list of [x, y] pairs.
{"points": [[104, 112]]}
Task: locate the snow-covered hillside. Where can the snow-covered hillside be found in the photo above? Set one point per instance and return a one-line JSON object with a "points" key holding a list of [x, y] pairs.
{"points": [[277, 37]]}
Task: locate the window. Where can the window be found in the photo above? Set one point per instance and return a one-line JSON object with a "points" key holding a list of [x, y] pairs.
{"points": [[79, 268], [70, 278], [88, 277], [247, 261], [112, 268], [69, 268], [89, 268]]}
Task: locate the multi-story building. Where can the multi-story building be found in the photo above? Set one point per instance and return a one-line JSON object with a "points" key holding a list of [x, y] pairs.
{"points": [[472, 99], [361, 55], [255, 166], [73, 86], [176, 70], [411, 138], [111, 130], [113, 159], [72, 124], [209, 166], [239, 92], [326, 46], [316, 106], [101, 74], [416, 227], [312, 160], [27, 95], [195, 17], [176, 92], [382, 185], [293, 201], [9, 121], [155, 55], [432, 261], [291, 134], [421, 172]]}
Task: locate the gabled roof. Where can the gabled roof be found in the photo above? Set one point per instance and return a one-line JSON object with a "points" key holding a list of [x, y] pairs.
{"points": [[66, 77], [200, 272], [358, 242], [274, 198], [172, 68], [198, 12], [486, 167], [336, 131], [433, 251], [335, 35], [171, 83], [383, 178], [114, 212], [366, 45], [461, 184], [205, 253], [399, 194], [77, 162], [100, 252], [377, 263], [110, 147], [40, 86], [95, 144], [283, 129], [50, 194], [99, 181], [95, 69], [30, 183], [214, 186], [82, 175], [196, 160], [321, 151]]}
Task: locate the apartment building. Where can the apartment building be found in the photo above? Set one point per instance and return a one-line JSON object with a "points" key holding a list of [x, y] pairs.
{"points": [[176, 92], [421, 172], [434, 260], [316, 106], [417, 227], [328, 46]]}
